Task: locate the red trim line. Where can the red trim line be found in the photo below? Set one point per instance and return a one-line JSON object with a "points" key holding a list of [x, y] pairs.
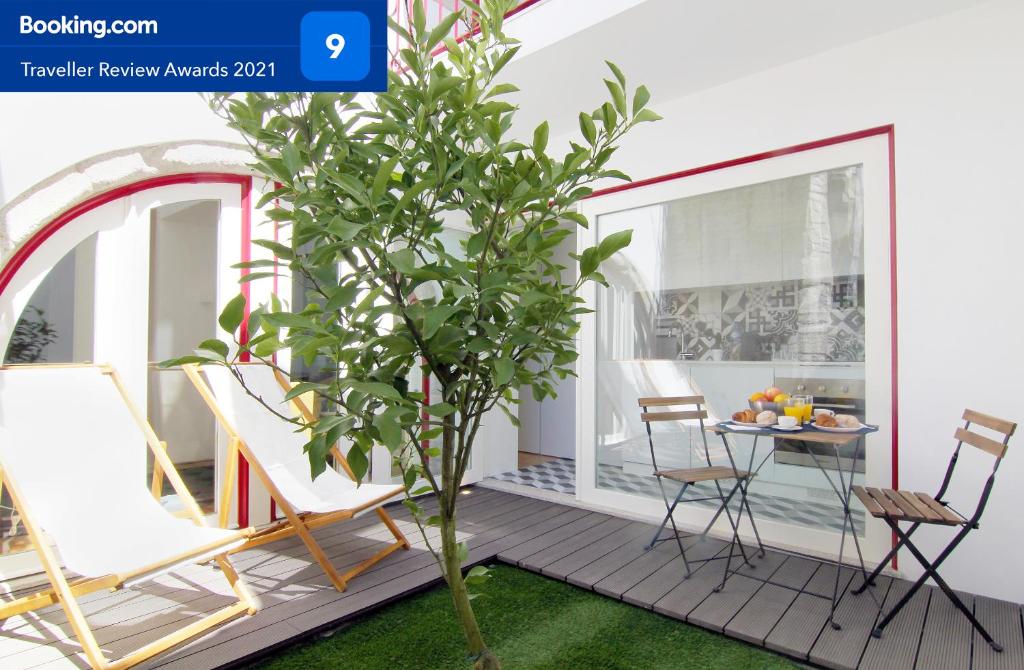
{"points": [[888, 130], [243, 338], [893, 319], [18, 258], [753, 158]]}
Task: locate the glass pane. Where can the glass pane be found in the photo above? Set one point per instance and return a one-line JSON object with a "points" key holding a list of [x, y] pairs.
{"points": [[56, 326], [726, 294]]}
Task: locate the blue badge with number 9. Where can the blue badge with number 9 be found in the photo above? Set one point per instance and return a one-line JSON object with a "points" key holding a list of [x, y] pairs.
{"points": [[335, 46]]}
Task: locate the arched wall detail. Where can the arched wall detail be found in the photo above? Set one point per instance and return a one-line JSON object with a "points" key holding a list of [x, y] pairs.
{"points": [[30, 212]]}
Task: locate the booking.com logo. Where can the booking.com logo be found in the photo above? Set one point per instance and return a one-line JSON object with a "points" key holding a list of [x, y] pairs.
{"points": [[98, 28]]}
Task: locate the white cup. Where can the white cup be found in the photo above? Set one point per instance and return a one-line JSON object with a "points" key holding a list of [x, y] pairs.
{"points": [[787, 421], [819, 412]]}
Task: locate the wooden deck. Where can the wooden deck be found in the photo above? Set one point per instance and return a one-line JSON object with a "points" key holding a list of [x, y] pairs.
{"points": [[588, 549]]}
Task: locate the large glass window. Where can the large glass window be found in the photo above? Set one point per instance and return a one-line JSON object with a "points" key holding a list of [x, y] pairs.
{"points": [[724, 294]]}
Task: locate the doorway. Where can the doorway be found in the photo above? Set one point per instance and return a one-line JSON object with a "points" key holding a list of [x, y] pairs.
{"points": [[182, 313]]}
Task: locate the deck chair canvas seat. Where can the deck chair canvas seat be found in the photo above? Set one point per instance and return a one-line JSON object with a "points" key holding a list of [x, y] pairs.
{"points": [[75, 471], [274, 451]]}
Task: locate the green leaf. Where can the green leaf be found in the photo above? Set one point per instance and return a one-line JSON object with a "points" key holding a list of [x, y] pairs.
{"points": [[231, 317], [647, 115], [440, 409], [504, 369], [588, 128], [377, 389], [540, 138], [618, 97], [617, 72], [501, 89], [613, 243], [357, 460], [380, 181], [216, 346], [390, 430], [437, 317], [414, 191], [441, 30], [403, 260], [292, 159], [640, 99]]}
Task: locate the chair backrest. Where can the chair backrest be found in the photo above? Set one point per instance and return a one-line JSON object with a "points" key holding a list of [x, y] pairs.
{"points": [[71, 444], [276, 444], [698, 413], [1002, 427], [272, 440]]}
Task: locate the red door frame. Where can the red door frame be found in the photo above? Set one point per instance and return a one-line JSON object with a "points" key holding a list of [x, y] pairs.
{"points": [[890, 132], [245, 183]]}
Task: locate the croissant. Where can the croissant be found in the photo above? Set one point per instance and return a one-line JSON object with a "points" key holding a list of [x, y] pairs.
{"points": [[826, 421], [745, 416]]}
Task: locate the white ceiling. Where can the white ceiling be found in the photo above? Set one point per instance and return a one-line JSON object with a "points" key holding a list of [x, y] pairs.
{"points": [[678, 47]]}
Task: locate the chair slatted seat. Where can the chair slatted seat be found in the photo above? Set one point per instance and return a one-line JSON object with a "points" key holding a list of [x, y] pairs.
{"points": [[895, 506], [694, 475]]}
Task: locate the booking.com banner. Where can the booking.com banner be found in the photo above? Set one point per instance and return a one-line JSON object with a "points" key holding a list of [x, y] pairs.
{"points": [[193, 45]]}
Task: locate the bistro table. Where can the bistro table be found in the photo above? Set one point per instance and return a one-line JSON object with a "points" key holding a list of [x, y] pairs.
{"points": [[807, 435]]}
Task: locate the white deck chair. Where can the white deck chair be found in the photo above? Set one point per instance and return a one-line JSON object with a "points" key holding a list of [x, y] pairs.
{"points": [[74, 470], [275, 452]]}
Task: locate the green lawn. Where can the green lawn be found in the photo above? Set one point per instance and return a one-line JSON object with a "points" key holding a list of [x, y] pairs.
{"points": [[531, 622]]}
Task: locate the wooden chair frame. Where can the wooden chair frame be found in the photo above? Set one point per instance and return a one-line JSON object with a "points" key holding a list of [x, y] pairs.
{"points": [[66, 591], [294, 523], [895, 506], [710, 472]]}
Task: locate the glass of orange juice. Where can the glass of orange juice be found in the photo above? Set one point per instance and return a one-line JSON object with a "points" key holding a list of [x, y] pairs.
{"points": [[795, 412], [801, 408]]}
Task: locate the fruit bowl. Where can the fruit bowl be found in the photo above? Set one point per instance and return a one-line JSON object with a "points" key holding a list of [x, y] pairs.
{"points": [[777, 407]]}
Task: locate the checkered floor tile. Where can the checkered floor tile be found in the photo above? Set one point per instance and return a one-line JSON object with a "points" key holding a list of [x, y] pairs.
{"points": [[560, 475]]}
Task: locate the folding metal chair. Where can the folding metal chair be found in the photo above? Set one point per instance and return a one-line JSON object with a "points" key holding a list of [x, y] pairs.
{"points": [[921, 508], [688, 477]]}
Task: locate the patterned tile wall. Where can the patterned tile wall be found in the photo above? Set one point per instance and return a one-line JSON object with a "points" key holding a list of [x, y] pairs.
{"points": [[797, 320]]}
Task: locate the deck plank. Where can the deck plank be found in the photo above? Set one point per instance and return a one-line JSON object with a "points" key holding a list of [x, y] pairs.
{"points": [[585, 548], [1002, 621], [902, 638], [718, 609], [563, 567], [760, 614], [842, 649], [946, 639]]}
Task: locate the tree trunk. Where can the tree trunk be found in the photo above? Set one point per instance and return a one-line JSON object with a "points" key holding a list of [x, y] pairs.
{"points": [[484, 658]]}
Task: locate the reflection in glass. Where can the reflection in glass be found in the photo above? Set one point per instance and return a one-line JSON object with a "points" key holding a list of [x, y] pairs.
{"points": [[724, 294]]}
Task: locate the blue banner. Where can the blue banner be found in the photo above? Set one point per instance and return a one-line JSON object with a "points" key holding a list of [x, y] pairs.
{"points": [[193, 45]]}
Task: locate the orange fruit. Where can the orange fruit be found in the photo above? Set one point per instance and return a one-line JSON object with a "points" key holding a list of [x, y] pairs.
{"points": [[756, 396]]}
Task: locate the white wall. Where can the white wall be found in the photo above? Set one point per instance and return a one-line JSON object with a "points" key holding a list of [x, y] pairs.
{"points": [[43, 133], [951, 86]]}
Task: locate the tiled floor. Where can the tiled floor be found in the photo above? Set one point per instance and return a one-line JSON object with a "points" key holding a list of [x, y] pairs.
{"points": [[559, 475]]}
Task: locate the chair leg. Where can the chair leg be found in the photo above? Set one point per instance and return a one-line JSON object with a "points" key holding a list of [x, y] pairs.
{"points": [[728, 514], [671, 507], [750, 516], [931, 570]]}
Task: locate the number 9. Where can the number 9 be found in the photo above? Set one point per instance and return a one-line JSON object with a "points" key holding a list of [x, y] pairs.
{"points": [[335, 44]]}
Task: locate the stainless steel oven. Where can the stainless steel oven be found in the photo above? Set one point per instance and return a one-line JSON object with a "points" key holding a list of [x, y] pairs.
{"points": [[843, 396]]}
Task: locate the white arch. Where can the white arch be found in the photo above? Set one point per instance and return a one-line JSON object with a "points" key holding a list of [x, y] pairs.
{"points": [[26, 214]]}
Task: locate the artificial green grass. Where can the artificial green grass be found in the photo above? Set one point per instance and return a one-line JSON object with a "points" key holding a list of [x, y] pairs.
{"points": [[532, 623]]}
